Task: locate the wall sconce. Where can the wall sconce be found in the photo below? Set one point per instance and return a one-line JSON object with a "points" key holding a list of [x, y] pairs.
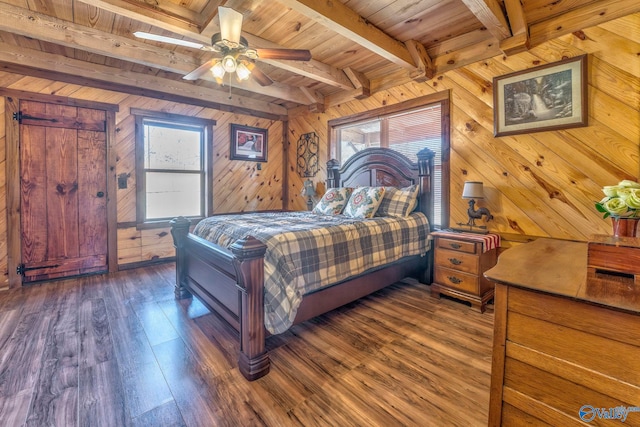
{"points": [[309, 191], [473, 190]]}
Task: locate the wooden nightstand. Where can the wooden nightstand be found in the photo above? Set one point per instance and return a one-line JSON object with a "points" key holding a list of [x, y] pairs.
{"points": [[460, 260]]}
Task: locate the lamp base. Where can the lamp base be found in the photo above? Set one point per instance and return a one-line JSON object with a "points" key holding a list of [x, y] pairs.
{"points": [[477, 229]]}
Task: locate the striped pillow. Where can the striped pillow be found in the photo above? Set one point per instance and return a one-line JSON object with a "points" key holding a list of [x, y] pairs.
{"points": [[398, 202]]}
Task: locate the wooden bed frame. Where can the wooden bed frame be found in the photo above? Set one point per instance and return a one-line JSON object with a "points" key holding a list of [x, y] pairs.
{"points": [[230, 282]]}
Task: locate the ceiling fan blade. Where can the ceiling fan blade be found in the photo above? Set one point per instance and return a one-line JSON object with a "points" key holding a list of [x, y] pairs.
{"points": [[290, 54], [230, 24], [259, 75], [204, 68], [163, 39]]}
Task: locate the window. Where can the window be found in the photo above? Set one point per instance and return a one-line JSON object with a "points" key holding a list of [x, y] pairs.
{"points": [[408, 128], [172, 166]]}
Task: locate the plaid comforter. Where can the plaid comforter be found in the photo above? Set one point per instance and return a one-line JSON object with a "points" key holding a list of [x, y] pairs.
{"points": [[306, 251]]}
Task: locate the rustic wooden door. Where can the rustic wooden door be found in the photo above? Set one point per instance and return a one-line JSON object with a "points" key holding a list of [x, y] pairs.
{"points": [[63, 177]]}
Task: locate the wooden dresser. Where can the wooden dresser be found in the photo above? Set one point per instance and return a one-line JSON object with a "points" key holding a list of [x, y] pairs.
{"points": [[460, 260], [566, 345]]}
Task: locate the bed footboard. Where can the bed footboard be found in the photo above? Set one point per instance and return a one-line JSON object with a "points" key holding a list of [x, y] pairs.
{"points": [[231, 284]]}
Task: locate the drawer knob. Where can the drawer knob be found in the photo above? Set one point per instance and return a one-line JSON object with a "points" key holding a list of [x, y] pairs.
{"points": [[455, 261], [456, 245], [454, 279]]}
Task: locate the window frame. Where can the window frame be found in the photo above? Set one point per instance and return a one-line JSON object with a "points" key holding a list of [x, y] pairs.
{"points": [[443, 98], [176, 121]]}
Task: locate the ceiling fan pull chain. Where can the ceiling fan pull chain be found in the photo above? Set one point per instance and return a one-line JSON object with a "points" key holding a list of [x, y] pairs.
{"points": [[229, 74]]}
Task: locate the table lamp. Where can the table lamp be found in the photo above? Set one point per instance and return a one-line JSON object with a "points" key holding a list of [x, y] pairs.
{"points": [[309, 191], [473, 190]]}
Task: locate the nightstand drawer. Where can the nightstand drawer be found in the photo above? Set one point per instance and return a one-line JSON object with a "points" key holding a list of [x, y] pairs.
{"points": [[457, 280], [457, 245], [457, 260]]}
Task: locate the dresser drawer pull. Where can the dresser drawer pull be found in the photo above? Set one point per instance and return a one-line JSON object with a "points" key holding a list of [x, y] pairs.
{"points": [[454, 261], [454, 279], [456, 245]]}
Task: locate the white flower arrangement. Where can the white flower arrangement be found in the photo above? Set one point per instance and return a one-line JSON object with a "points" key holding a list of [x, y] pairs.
{"points": [[620, 201]]}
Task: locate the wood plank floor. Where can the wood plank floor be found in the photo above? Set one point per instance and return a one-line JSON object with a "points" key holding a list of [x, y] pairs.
{"points": [[119, 350]]}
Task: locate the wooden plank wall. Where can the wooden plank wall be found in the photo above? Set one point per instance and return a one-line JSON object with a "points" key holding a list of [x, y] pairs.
{"points": [[237, 185], [538, 184]]}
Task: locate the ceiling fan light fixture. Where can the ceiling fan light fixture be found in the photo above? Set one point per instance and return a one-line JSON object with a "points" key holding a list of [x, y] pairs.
{"points": [[242, 72], [229, 64], [218, 70]]}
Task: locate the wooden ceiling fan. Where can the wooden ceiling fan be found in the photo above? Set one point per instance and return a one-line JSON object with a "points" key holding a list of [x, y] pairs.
{"points": [[234, 53]]}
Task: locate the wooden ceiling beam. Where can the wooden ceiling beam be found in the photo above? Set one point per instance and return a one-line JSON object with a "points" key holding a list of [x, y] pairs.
{"points": [[313, 69], [96, 75], [209, 18], [360, 81], [46, 28], [587, 16], [519, 42], [426, 69], [164, 7], [490, 14], [344, 21], [443, 63], [142, 12], [590, 15]]}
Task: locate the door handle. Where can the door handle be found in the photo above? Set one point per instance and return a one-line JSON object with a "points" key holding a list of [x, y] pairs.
{"points": [[100, 194]]}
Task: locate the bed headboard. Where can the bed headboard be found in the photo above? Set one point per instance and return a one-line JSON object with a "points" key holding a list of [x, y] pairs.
{"points": [[385, 167]]}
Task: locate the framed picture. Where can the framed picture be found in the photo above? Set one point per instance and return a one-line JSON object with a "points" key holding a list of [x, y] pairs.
{"points": [[549, 97], [248, 143]]}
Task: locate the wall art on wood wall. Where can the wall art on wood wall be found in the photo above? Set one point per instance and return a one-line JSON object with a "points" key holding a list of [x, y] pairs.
{"points": [[308, 145], [548, 97], [248, 143]]}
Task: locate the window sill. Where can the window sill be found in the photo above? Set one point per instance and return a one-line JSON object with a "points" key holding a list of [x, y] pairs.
{"points": [[164, 223]]}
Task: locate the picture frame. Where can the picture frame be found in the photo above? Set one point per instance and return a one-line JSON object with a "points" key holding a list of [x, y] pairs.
{"points": [[549, 97], [248, 143]]}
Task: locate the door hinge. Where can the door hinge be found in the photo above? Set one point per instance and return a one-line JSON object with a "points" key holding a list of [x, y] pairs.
{"points": [[19, 117], [21, 269]]}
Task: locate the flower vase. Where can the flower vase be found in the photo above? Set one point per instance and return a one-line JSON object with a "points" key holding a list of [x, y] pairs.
{"points": [[624, 227]]}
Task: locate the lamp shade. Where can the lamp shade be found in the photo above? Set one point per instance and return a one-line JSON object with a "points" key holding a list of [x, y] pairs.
{"points": [[229, 64], [472, 190], [242, 72]]}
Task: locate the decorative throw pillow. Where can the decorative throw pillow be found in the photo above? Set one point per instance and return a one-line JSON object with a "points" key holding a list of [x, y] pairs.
{"points": [[333, 201], [364, 202], [398, 202]]}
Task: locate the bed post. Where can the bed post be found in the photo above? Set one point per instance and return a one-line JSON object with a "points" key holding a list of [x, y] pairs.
{"points": [[333, 173], [253, 361], [425, 174], [179, 231]]}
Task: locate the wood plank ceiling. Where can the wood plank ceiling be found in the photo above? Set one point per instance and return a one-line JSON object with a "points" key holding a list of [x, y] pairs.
{"points": [[358, 47]]}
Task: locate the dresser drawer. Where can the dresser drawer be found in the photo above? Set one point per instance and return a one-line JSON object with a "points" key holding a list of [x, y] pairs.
{"points": [[456, 245], [457, 280], [460, 261]]}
